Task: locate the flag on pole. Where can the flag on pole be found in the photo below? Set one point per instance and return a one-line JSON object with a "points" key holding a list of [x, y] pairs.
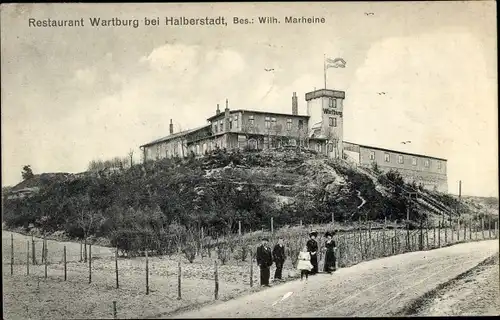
{"points": [[335, 63]]}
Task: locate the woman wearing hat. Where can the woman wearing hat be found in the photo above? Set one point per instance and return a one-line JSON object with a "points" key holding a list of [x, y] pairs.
{"points": [[331, 247], [312, 247]]}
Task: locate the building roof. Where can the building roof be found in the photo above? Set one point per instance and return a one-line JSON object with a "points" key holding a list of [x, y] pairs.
{"points": [[396, 151], [173, 136], [261, 112]]}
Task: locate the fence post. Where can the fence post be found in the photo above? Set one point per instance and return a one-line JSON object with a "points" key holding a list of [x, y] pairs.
{"points": [[301, 222], [216, 274], [333, 218], [361, 240], [43, 249], [434, 237], [27, 257], [46, 254], [452, 230], [482, 228], [65, 270], [239, 228], [408, 243], [251, 267], [465, 230], [81, 251], [489, 228], [85, 250], [90, 262], [439, 234], [370, 251], [11, 254], [458, 233], [147, 272], [421, 245], [116, 267], [272, 225], [114, 310], [445, 233], [179, 276], [383, 236], [427, 235], [396, 241], [470, 229], [33, 251]]}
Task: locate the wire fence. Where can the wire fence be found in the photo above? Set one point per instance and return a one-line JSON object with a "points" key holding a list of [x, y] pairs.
{"points": [[86, 263]]}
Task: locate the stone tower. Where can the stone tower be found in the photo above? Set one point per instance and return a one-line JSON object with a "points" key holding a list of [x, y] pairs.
{"points": [[326, 125]]}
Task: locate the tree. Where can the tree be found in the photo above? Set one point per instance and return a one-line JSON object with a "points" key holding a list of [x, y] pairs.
{"points": [[27, 173]]}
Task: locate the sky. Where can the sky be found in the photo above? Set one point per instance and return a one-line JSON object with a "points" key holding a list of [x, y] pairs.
{"points": [[71, 95]]}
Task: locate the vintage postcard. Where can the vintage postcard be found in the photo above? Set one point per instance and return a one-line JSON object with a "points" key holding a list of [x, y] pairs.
{"points": [[236, 160]]}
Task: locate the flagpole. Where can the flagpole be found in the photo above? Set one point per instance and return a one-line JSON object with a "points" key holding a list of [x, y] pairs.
{"points": [[324, 68]]}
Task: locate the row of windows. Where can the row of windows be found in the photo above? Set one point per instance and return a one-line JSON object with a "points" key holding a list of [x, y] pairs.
{"points": [[233, 123], [268, 122], [387, 158]]}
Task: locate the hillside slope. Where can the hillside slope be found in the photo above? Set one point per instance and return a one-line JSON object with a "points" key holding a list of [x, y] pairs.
{"points": [[171, 199]]}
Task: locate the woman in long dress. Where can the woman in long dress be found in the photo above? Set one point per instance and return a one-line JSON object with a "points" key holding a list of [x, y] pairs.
{"points": [[330, 259]]}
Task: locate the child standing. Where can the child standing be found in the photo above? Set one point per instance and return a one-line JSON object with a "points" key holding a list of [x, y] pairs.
{"points": [[304, 264]]}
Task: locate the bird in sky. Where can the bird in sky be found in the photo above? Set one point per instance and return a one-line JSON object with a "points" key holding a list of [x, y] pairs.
{"points": [[405, 142], [268, 69], [369, 13], [381, 93]]}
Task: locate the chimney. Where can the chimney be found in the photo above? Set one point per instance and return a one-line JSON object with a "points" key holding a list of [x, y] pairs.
{"points": [[295, 105], [171, 127], [218, 110], [226, 117]]}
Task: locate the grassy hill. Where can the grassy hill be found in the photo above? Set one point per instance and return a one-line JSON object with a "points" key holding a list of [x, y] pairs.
{"points": [[171, 201]]}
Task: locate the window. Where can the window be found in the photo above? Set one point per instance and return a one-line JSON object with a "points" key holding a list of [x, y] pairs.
{"points": [[414, 161], [400, 159], [332, 103], [439, 165], [230, 124], [273, 122], [330, 147], [333, 122], [235, 122], [215, 127], [292, 142], [427, 163], [250, 121], [387, 157], [158, 151], [289, 124], [301, 124], [372, 155], [221, 125], [267, 123]]}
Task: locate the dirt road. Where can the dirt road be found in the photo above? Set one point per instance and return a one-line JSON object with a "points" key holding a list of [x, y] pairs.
{"points": [[380, 287], [474, 294]]}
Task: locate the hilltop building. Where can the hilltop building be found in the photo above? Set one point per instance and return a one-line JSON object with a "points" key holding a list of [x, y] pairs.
{"points": [[321, 129]]}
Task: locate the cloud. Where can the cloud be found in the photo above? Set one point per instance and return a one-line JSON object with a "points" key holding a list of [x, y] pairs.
{"points": [[86, 76], [437, 93]]}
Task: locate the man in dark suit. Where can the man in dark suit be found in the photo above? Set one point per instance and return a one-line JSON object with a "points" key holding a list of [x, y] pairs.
{"points": [[279, 258], [312, 247], [265, 261]]}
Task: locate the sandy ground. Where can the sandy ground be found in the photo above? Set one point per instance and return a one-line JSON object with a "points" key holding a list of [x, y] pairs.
{"points": [[374, 288], [476, 294], [34, 297]]}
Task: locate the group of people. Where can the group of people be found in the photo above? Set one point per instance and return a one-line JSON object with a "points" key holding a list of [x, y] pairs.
{"points": [[307, 259]]}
